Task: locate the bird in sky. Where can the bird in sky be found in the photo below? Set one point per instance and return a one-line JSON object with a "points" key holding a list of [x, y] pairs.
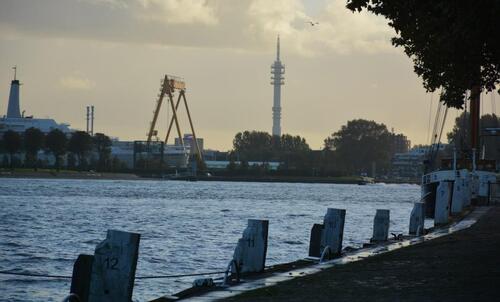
{"points": [[312, 23]]}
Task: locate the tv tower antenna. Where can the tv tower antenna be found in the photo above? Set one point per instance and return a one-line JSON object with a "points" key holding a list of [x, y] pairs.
{"points": [[277, 79]]}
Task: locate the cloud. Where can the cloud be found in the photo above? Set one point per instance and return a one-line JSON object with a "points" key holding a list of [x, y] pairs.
{"points": [[250, 25], [76, 82], [178, 11]]}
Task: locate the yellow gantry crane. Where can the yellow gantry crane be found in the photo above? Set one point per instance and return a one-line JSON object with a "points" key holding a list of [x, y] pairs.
{"points": [[169, 86]]}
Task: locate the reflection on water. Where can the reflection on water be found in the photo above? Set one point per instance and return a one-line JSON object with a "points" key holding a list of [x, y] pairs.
{"points": [[185, 227]]}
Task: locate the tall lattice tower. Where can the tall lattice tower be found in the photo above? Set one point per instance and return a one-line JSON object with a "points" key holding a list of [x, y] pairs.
{"points": [[277, 79]]}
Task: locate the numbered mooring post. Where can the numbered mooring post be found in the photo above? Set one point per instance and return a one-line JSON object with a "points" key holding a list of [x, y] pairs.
{"points": [[251, 250], [458, 196], [417, 219], [442, 208], [329, 234], [80, 280], [113, 268], [381, 225]]}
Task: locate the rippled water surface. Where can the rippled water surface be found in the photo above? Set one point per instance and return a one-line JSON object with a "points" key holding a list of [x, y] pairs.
{"points": [[185, 227]]}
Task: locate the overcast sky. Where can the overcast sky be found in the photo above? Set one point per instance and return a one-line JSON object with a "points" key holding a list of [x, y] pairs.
{"points": [[113, 53]]}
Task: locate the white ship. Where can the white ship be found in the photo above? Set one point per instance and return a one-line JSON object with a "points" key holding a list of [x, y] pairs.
{"points": [[464, 181], [16, 121]]}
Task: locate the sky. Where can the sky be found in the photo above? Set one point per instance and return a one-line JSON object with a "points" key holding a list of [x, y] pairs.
{"points": [[113, 53]]}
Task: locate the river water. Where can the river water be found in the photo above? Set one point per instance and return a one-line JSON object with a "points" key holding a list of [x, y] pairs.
{"points": [[185, 227]]}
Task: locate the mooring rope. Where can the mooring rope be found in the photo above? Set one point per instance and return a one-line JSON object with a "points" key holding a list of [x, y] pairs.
{"points": [[138, 277], [35, 275], [179, 276]]}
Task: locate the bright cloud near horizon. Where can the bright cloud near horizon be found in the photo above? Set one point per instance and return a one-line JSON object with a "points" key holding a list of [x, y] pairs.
{"points": [[113, 53]]}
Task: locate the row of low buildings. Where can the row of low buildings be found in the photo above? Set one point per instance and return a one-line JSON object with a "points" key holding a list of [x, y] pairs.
{"points": [[410, 164]]}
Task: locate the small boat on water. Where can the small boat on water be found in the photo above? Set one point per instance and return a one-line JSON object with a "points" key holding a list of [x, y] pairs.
{"points": [[365, 180]]}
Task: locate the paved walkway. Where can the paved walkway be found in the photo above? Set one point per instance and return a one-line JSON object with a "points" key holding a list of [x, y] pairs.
{"points": [[464, 266]]}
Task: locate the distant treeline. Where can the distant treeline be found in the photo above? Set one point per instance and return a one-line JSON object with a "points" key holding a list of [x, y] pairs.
{"points": [[358, 147], [77, 151], [459, 137]]}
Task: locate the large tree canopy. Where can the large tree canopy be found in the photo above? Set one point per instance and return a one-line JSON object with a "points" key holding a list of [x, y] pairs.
{"points": [[454, 44], [459, 136], [262, 146], [56, 142], [33, 142], [102, 144], [80, 144], [359, 144]]}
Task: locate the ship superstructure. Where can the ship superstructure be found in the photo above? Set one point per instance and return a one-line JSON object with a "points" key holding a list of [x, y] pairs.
{"points": [[16, 120]]}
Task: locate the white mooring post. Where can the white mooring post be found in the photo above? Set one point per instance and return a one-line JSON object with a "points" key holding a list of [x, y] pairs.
{"points": [[417, 219], [458, 197], [381, 225], [113, 269], [468, 190], [333, 231], [442, 208], [251, 250]]}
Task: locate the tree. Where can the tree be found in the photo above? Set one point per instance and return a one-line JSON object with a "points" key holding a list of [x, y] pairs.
{"points": [[33, 142], [12, 144], [293, 144], [56, 142], [102, 144], [293, 152], [453, 44], [359, 144], [253, 145], [459, 137], [80, 144]]}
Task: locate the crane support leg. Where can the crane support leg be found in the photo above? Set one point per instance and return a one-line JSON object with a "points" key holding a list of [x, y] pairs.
{"points": [[192, 127], [171, 123]]}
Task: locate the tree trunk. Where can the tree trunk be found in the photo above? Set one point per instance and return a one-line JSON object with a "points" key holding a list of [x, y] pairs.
{"points": [[11, 161], [57, 163]]}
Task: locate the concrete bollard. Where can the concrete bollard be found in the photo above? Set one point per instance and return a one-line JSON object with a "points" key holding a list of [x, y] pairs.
{"points": [[113, 270], [333, 231], [250, 252], [80, 280], [442, 209], [329, 234], [381, 225], [458, 197], [417, 218], [315, 240]]}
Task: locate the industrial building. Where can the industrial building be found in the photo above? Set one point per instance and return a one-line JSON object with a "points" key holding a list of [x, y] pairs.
{"points": [[188, 141], [410, 165]]}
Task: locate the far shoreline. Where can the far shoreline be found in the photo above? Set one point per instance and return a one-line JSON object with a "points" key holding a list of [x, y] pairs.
{"points": [[50, 174]]}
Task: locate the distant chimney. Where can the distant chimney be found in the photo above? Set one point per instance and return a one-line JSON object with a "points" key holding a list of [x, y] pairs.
{"points": [[13, 110], [92, 120]]}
